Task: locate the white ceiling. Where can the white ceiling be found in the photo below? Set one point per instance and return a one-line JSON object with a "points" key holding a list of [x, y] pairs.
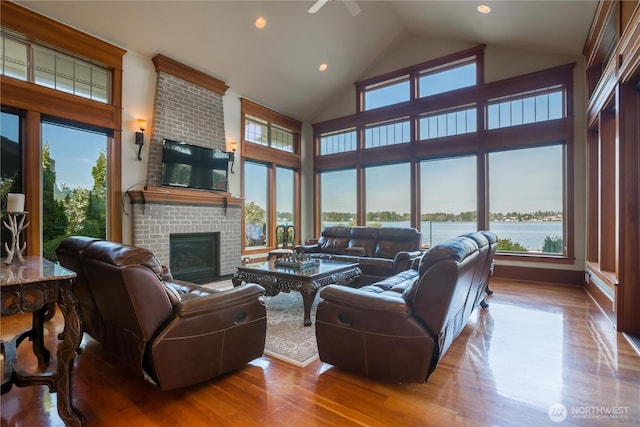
{"points": [[278, 65]]}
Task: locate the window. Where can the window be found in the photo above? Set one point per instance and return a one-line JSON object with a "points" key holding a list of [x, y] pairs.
{"points": [[448, 123], [448, 198], [271, 176], [14, 58], [338, 142], [261, 132], [445, 164], [285, 200], [526, 199], [74, 184], [388, 196], [433, 82], [387, 93], [539, 106], [389, 133], [11, 161], [80, 75], [256, 205], [70, 75], [338, 198], [54, 69]]}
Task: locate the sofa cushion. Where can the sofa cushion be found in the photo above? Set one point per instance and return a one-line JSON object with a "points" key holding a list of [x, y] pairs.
{"points": [[392, 240], [333, 240], [363, 238]]}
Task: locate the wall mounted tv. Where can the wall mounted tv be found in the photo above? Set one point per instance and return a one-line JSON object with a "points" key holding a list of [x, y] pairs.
{"points": [[190, 166]]}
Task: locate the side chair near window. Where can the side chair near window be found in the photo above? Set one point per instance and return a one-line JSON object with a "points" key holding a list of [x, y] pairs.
{"points": [[170, 332], [284, 249]]}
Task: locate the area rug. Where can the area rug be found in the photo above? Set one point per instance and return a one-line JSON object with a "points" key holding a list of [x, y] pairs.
{"points": [[287, 338]]}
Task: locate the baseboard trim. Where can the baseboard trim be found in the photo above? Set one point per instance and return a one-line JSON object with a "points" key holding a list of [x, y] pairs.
{"points": [[634, 340], [533, 274]]}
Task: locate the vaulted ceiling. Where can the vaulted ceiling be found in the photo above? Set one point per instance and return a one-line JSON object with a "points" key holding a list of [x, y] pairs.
{"points": [[278, 65]]}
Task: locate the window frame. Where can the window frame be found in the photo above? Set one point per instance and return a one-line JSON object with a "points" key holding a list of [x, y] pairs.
{"points": [[272, 158], [478, 143], [37, 101]]}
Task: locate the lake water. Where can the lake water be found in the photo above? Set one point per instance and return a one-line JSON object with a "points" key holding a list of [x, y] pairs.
{"points": [[529, 234]]}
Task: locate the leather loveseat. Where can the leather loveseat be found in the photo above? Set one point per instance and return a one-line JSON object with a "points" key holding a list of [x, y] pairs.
{"points": [[380, 251], [169, 332], [399, 328]]}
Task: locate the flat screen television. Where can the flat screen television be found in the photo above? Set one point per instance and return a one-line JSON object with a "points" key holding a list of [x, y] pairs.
{"points": [[190, 166]]}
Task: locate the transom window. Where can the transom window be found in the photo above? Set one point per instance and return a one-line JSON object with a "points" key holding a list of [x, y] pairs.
{"points": [[447, 123], [451, 77], [264, 133], [338, 142], [387, 93], [388, 133], [529, 107], [46, 67]]}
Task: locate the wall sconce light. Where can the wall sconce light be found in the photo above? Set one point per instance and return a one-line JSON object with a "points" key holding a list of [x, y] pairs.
{"points": [[232, 146], [142, 124]]}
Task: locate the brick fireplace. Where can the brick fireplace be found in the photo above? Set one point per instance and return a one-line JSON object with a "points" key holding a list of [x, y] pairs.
{"points": [[188, 108]]}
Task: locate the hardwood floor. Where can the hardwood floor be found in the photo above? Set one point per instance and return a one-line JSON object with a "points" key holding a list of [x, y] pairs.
{"points": [[536, 346]]}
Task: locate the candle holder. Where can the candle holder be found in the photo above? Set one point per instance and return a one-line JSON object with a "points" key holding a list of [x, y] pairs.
{"points": [[16, 225]]}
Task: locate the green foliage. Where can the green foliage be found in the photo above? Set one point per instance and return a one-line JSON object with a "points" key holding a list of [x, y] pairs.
{"points": [[553, 245], [77, 211], [508, 245], [254, 214]]}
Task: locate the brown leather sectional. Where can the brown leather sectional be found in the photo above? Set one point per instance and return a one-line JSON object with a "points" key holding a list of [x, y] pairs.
{"points": [[398, 329], [380, 251], [169, 332]]}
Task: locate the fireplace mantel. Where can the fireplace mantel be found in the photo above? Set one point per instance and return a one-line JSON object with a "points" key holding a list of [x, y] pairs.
{"points": [[153, 194]]}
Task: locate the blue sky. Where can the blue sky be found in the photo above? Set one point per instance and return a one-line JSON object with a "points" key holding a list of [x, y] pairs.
{"points": [[75, 153]]}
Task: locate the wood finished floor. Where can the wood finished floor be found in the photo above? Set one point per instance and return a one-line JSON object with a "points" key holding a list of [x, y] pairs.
{"points": [[536, 346]]}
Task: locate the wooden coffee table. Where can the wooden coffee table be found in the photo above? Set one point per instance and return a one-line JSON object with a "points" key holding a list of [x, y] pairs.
{"points": [[276, 279]]}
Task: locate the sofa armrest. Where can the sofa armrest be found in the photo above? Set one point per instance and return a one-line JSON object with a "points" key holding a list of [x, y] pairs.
{"points": [[308, 249], [197, 304], [364, 300], [404, 260]]}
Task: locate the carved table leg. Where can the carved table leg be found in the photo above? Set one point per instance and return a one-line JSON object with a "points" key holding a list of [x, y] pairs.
{"points": [[308, 295], [66, 355], [236, 279]]}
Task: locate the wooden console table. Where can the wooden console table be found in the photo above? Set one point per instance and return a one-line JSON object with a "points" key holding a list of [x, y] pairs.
{"points": [[34, 287]]}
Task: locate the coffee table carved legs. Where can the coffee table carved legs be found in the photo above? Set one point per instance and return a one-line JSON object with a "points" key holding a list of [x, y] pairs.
{"points": [[307, 287]]}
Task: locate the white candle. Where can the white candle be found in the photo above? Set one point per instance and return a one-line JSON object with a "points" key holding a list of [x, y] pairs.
{"points": [[15, 202]]}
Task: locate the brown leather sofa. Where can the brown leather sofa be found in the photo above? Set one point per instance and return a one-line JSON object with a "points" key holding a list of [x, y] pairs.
{"points": [[171, 333], [380, 251], [399, 328]]}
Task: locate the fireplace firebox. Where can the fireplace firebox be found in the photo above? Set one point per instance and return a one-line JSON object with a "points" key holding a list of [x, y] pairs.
{"points": [[195, 257]]}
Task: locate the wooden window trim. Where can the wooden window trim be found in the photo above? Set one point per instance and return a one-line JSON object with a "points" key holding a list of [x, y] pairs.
{"points": [[273, 158], [478, 143], [37, 100]]}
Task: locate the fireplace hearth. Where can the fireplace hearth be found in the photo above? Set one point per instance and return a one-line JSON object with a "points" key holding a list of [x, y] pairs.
{"points": [[195, 257]]}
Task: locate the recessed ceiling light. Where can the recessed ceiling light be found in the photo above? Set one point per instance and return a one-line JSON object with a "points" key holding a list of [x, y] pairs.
{"points": [[483, 8], [260, 22], [322, 67]]}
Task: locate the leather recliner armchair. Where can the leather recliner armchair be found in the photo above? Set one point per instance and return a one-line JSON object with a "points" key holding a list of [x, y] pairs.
{"points": [[171, 333]]}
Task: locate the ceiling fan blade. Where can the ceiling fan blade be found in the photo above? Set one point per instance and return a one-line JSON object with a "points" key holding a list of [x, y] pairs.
{"points": [[317, 5], [353, 7]]}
